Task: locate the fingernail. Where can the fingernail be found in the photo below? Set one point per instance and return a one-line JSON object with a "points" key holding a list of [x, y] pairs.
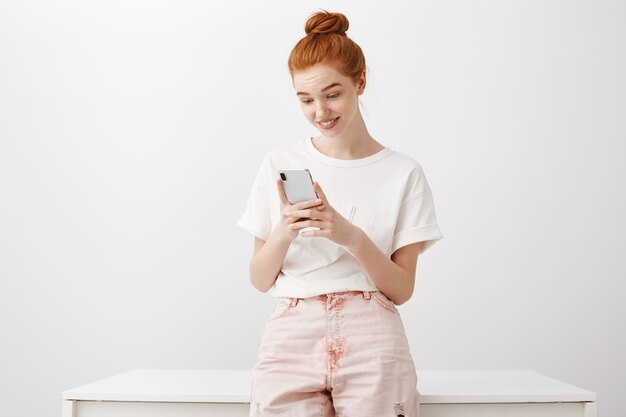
{"points": [[319, 200]]}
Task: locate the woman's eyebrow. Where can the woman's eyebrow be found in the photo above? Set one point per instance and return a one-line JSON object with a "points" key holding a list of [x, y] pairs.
{"points": [[323, 89]]}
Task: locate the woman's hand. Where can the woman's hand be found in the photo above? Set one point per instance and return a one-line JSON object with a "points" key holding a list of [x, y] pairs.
{"points": [[311, 207], [332, 224]]}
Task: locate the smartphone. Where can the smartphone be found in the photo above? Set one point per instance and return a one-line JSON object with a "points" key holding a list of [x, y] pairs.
{"points": [[298, 184]]}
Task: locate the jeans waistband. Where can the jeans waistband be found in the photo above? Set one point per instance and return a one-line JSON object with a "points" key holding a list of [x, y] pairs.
{"points": [[293, 301]]}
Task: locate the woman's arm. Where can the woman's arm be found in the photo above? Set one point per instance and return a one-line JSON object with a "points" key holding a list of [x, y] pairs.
{"points": [[395, 277], [269, 255], [267, 260]]}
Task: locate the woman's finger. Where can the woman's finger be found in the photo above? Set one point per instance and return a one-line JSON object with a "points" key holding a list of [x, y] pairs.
{"points": [[307, 213], [305, 223], [320, 193], [281, 191], [306, 204]]}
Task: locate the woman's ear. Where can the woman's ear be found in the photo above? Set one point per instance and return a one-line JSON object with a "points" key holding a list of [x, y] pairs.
{"points": [[361, 84]]}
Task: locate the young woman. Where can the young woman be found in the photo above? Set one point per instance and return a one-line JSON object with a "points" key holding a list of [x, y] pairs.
{"points": [[335, 344]]}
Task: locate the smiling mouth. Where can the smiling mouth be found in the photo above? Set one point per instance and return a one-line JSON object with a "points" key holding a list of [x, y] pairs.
{"points": [[328, 122]]}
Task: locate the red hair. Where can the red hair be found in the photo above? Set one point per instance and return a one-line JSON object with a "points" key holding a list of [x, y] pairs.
{"points": [[326, 42]]}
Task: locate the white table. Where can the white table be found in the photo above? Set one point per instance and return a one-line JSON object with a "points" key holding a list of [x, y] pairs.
{"points": [[226, 393]]}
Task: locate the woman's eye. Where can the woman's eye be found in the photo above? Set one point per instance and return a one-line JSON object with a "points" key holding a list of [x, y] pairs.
{"points": [[331, 96]]}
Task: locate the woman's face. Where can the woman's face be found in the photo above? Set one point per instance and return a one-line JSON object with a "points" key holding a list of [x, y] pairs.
{"points": [[326, 94]]}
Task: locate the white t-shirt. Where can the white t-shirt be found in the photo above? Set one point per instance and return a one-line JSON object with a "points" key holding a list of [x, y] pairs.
{"points": [[385, 194]]}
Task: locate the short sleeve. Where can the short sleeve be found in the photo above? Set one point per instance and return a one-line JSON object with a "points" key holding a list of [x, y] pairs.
{"points": [[256, 217], [417, 220]]}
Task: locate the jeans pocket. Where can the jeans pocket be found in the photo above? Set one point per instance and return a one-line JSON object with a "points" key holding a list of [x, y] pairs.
{"points": [[383, 302], [283, 306]]}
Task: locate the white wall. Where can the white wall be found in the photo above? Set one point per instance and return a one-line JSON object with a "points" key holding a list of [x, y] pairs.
{"points": [[130, 133]]}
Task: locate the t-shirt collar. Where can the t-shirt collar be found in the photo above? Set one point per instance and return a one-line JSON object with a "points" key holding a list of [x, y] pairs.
{"points": [[345, 163]]}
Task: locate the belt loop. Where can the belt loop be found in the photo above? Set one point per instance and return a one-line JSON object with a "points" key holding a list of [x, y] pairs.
{"points": [[366, 295], [294, 302]]}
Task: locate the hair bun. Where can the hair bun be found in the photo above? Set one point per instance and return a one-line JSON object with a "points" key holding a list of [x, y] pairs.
{"points": [[327, 23]]}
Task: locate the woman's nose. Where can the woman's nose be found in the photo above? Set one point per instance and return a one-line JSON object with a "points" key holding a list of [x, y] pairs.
{"points": [[321, 109]]}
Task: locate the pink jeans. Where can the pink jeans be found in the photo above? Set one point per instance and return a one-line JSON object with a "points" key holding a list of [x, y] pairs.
{"points": [[341, 354]]}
